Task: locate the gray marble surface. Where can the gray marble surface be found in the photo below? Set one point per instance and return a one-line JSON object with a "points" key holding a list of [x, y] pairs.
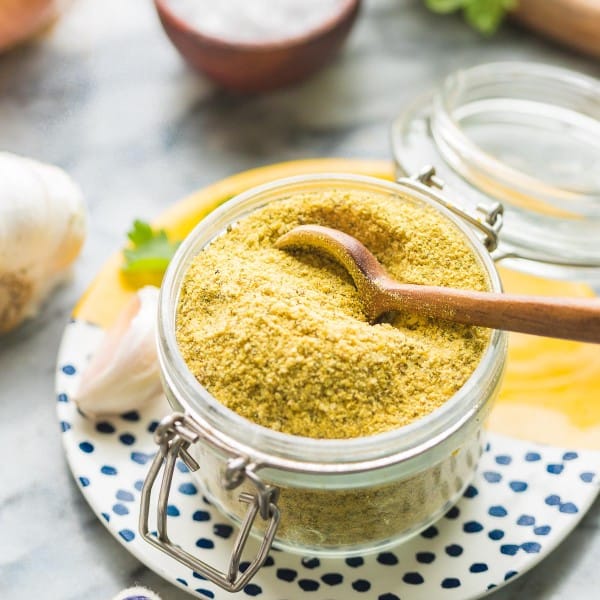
{"points": [[105, 96]]}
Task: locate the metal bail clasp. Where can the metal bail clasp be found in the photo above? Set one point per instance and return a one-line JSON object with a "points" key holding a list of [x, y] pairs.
{"points": [[174, 435], [488, 219]]}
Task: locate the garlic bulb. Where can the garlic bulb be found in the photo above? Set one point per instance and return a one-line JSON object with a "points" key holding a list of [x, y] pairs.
{"points": [[123, 373], [42, 228]]}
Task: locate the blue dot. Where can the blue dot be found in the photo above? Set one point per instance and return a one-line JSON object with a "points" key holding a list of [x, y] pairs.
{"points": [[172, 510], [518, 486], [430, 532], [138, 485], [64, 426], [182, 467], [471, 492], [555, 469], [204, 592], [207, 501], [454, 550], [125, 496], [552, 500], [361, 585], [108, 470], [120, 509], [510, 575], [201, 515], [509, 549], [84, 481], [244, 566], [497, 511], [472, 527], [252, 589], [531, 547], [310, 562], [492, 476], [269, 562], [152, 427], [309, 585], [69, 370], [587, 477], [200, 576], [222, 530], [182, 581], [106, 517], [542, 530], [526, 520], [62, 398], [127, 534], [127, 438], [478, 568], [496, 534], [413, 578], [132, 415], [332, 578], [450, 582], [189, 489], [503, 459], [86, 447], [491, 586], [355, 561], [569, 508], [286, 574], [425, 557], [533, 456], [387, 558], [488, 447], [141, 458], [104, 427], [453, 513], [570, 456], [388, 596], [205, 543]]}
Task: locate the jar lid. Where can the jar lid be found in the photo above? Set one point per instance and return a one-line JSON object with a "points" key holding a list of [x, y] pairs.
{"points": [[524, 134]]}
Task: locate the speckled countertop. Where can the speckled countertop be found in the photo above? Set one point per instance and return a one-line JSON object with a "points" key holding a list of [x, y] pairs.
{"points": [[105, 96]]}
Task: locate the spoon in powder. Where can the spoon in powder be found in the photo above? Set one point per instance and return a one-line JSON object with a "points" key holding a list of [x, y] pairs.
{"points": [[567, 318]]}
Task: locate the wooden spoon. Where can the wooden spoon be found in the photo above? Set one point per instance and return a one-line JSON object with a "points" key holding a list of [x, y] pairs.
{"points": [[568, 318]]}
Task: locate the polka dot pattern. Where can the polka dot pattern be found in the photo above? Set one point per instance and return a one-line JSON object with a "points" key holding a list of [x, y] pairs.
{"points": [[523, 501]]}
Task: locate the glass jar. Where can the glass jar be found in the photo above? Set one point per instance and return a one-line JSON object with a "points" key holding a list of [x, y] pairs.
{"points": [[316, 496], [524, 134]]}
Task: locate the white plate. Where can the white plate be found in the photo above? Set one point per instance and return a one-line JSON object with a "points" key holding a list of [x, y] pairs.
{"points": [[525, 499]]}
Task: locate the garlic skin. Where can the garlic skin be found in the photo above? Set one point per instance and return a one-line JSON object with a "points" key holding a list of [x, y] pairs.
{"points": [[42, 229], [123, 373]]}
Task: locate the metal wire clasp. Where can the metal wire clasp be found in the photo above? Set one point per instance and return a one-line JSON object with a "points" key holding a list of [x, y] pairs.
{"points": [[174, 435], [488, 219]]}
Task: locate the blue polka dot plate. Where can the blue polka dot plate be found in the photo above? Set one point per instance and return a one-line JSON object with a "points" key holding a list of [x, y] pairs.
{"points": [[524, 500]]}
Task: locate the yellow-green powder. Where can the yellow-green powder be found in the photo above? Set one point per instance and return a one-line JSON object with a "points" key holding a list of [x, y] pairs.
{"points": [[280, 337]]}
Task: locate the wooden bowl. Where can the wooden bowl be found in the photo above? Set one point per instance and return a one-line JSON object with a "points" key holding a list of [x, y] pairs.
{"points": [[258, 67]]}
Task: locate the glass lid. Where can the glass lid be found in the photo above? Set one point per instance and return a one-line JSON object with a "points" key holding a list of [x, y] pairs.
{"points": [[524, 134]]}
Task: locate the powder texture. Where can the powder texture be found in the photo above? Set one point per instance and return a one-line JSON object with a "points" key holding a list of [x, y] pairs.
{"points": [[280, 336]]}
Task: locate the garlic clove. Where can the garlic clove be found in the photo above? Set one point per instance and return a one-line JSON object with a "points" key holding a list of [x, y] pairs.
{"points": [[123, 373]]}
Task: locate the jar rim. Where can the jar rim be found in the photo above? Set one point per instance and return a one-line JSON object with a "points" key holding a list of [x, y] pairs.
{"points": [[304, 454]]}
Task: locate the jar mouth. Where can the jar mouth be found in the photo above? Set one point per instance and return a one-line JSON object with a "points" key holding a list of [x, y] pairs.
{"points": [[298, 453], [524, 134]]}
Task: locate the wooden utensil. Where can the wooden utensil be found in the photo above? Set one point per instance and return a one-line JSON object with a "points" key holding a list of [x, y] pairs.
{"points": [[567, 318], [575, 23]]}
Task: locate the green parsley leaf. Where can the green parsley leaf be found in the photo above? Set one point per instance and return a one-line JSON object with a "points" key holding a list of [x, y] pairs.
{"points": [[150, 252], [444, 6]]}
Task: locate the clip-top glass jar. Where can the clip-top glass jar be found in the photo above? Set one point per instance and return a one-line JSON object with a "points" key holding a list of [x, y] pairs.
{"points": [[318, 496], [528, 136]]}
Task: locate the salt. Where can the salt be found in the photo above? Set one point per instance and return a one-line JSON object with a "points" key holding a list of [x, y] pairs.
{"points": [[256, 21]]}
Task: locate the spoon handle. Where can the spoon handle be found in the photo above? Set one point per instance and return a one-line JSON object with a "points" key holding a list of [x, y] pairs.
{"points": [[567, 318]]}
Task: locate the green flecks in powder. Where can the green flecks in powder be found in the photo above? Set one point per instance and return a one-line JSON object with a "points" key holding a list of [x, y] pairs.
{"points": [[281, 338]]}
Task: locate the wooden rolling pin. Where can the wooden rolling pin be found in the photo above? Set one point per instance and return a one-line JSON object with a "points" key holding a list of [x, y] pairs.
{"points": [[575, 23]]}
